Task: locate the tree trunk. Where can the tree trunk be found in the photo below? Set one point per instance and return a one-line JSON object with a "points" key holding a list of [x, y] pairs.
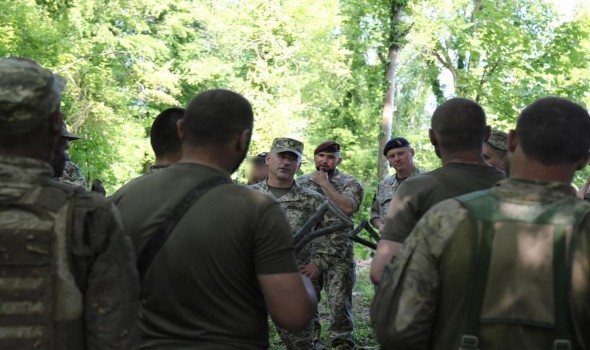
{"points": [[396, 35], [387, 111]]}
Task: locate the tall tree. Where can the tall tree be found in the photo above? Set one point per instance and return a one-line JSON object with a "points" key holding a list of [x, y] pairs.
{"points": [[396, 38]]}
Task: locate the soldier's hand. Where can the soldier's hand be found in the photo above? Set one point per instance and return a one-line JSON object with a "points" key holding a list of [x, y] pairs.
{"points": [[310, 270], [320, 177]]}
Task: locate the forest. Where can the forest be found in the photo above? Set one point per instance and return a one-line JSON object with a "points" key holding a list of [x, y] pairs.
{"points": [[354, 71]]}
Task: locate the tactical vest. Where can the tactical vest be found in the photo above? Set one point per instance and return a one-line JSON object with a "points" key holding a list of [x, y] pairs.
{"points": [[521, 265], [35, 269]]}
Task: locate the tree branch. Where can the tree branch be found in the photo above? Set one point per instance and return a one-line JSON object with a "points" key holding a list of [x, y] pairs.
{"points": [[447, 64]]}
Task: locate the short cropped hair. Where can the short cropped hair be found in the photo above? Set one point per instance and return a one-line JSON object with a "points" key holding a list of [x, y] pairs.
{"points": [[164, 133], [460, 124], [214, 117], [554, 130]]}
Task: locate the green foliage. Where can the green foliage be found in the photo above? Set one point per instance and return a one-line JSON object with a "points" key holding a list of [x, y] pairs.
{"points": [[312, 70]]}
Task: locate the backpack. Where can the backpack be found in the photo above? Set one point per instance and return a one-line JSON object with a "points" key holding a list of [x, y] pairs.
{"points": [[545, 225], [564, 218], [34, 239]]}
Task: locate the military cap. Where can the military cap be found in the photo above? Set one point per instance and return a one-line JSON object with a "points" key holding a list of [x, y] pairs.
{"points": [[396, 142], [68, 135], [259, 158], [328, 146], [28, 94], [498, 140], [284, 144]]}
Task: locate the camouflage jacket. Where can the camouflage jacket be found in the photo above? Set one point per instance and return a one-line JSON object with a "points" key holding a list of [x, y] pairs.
{"points": [[385, 191], [73, 175], [96, 285], [337, 245], [299, 204], [421, 302]]}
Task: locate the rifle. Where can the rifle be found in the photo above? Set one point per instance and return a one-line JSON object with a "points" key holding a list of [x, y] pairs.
{"points": [[305, 234], [354, 235]]}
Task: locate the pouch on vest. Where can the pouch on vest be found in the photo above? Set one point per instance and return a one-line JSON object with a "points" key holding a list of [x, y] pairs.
{"points": [[520, 270], [27, 267]]}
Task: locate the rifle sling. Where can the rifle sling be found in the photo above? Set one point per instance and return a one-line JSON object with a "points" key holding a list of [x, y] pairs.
{"points": [[159, 237]]}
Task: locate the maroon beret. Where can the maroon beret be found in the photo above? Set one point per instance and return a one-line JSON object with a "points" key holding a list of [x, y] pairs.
{"points": [[328, 146]]}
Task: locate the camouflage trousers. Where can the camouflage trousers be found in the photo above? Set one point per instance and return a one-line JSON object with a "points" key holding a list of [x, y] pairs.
{"points": [[338, 282], [297, 340]]}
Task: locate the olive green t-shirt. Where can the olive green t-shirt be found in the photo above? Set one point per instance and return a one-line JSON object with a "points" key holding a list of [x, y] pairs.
{"points": [[419, 193], [201, 290]]}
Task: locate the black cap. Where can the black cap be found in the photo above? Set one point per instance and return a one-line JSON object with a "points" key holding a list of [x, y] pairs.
{"points": [[396, 142], [68, 135]]}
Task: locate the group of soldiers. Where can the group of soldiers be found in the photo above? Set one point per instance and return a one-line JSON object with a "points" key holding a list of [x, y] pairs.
{"points": [[182, 258], [329, 260]]}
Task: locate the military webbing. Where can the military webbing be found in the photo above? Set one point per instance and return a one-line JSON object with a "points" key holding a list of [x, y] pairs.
{"points": [[163, 231], [561, 279], [483, 209], [480, 264], [27, 270]]}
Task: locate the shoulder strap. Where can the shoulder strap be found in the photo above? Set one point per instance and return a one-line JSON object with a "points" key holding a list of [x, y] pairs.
{"points": [[162, 233], [478, 271], [483, 212]]}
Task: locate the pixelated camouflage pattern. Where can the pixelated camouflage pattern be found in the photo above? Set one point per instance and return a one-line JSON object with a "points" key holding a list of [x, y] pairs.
{"points": [[96, 284], [73, 175], [385, 191], [338, 283], [339, 275], [284, 144], [28, 92], [406, 305], [299, 204], [336, 245], [498, 139]]}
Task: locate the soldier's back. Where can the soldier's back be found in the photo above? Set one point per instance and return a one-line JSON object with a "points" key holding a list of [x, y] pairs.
{"points": [[59, 250]]}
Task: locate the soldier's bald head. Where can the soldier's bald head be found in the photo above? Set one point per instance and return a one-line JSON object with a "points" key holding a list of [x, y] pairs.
{"points": [[554, 130], [214, 117], [460, 124]]}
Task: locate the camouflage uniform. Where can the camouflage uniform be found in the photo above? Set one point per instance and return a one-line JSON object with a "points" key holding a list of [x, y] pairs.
{"points": [[421, 302], [73, 175], [299, 204], [385, 191], [339, 271], [67, 270]]}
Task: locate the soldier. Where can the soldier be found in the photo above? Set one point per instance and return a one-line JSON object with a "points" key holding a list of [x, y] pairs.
{"points": [[258, 169], [61, 156], [400, 156], [458, 133], [524, 284], [66, 171], [71, 172], [164, 138], [67, 272], [215, 258], [338, 275], [299, 204], [495, 149]]}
